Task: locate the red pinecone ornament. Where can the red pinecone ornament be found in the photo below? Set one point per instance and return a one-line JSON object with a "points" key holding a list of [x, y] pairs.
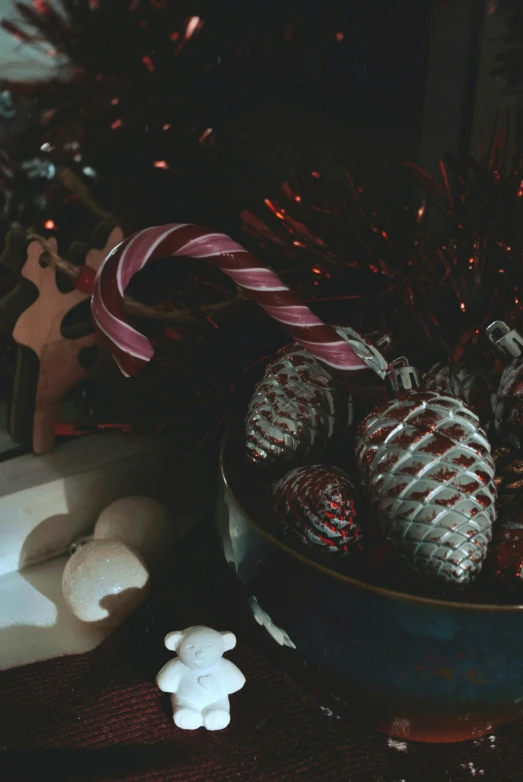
{"points": [[427, 469], [317, 505]]}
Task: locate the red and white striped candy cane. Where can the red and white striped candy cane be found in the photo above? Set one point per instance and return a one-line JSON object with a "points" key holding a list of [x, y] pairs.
{"points": [[132, 350]]}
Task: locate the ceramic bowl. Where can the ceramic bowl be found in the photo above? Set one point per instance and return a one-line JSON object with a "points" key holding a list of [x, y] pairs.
{"points": [[416, 668]]}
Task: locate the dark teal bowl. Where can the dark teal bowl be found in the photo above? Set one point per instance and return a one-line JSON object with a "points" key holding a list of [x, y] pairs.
{"points": [[416, 668]]}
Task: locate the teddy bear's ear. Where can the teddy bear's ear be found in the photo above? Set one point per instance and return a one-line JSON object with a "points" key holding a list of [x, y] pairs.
{"points": [[172, 640], [229, 640]]}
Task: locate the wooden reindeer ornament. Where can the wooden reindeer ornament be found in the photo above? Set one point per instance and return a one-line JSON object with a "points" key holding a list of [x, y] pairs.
{"points": [[40, 328], [22, 294]]}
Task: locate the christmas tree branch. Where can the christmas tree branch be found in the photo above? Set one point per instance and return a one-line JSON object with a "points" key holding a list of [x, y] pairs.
{"points": [[75, 185]]}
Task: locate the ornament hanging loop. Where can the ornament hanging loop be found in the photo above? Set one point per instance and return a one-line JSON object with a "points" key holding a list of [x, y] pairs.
{"points": [[76, 544], [402, 376], [507, 342]]}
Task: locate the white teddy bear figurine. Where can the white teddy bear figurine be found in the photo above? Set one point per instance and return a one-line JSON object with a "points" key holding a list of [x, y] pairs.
{"points": [[199, 679]]}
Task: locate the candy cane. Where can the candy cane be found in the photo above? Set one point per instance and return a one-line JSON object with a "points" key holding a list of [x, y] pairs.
{"points": [[132, 350]]}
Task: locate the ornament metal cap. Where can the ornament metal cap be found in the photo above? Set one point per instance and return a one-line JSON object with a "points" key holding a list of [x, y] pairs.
{"points": [[383, 342], [401, 376], [508, 342]]}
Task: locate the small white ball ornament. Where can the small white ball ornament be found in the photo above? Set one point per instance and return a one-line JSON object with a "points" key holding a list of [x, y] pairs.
{"points": [[140, 522], [104, 581]]}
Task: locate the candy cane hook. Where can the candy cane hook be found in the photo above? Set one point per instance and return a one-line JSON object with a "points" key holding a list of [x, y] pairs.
{"points": [[132, 350]]}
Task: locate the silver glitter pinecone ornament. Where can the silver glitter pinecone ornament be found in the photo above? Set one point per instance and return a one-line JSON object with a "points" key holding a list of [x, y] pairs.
{"points": [[427, 468], [297, 409], [473, 386], [508, 408]]}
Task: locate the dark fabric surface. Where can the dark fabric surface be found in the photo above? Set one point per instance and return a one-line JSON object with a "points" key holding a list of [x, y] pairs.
{"points": [[99, 716]]}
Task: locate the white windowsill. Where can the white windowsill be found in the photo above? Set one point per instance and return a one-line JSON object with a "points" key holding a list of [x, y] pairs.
{"points": [[35, 623]]}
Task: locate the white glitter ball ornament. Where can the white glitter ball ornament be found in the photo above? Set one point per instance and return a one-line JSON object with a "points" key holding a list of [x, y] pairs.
{"points": [[104, 581], [142, 523]]}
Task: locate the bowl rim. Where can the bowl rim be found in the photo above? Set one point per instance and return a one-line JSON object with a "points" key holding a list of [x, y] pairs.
{"points": [[363, 585]]}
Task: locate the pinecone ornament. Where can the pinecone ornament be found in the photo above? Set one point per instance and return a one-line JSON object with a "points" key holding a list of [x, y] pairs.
{"points": [[316, 505], [507, 548], [508, 408], [427, 468], [509, 404], [297, 409], [506, 551], [473, 386]]}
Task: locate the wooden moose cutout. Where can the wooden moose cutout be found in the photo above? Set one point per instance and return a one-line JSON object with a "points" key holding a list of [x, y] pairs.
{"points": [[22, 294], [39, 328]]}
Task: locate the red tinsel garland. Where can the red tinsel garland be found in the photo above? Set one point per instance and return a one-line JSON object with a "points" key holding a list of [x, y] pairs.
{"points": [[425, 273]]}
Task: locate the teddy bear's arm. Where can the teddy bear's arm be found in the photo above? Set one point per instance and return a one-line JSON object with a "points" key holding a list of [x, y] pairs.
{"points": [[231, 676], [169, 677]]}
